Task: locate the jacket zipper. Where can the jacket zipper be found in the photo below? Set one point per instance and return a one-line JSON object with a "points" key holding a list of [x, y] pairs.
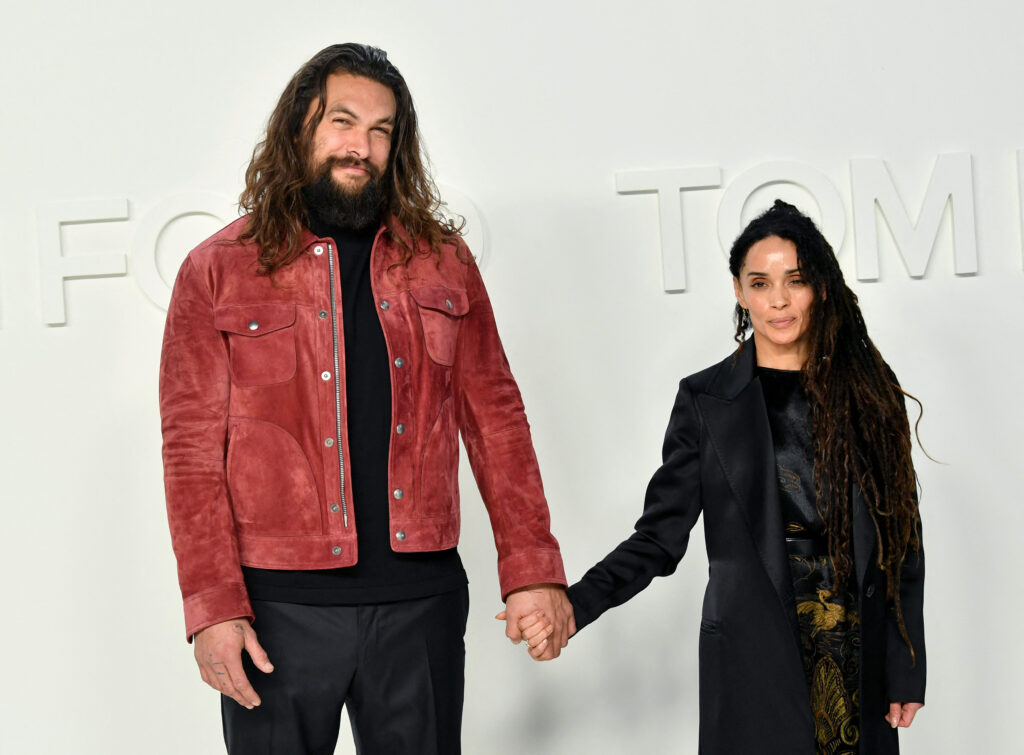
{"points": [[337, 389]]}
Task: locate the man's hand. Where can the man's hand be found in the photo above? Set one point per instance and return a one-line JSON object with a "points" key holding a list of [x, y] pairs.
{"points": [[555, 610], [902, 714], [218, 650]]}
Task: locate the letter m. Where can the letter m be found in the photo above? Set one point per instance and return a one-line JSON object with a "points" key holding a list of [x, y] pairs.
{"points": [[951, 184]]}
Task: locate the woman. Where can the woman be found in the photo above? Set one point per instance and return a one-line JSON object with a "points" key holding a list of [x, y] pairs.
{"points": [[797, 450]]}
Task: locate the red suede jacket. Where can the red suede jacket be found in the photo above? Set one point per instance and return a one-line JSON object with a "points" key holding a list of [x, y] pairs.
{"points": [[255, 444]]}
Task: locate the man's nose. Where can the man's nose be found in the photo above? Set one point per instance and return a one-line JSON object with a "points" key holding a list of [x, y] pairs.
{"points": [[358, 144]]}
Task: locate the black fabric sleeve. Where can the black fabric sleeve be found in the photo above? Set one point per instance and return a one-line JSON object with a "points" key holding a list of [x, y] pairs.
{"points": [[905, 672], [671, 508]]}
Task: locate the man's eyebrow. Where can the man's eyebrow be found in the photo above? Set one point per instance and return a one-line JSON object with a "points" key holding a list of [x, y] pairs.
{"points": [[339, 107]]}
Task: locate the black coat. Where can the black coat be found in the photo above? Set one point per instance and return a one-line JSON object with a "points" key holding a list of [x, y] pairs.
{"points": [[718, 458]]}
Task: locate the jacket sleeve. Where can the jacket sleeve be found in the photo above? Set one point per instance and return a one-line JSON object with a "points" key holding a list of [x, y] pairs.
{"points": [[194, 391], [905, 672], [492, 420], [660, 536]]}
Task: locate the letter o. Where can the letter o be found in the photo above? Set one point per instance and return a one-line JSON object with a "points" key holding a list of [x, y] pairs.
{"points": [[474, 234], [824, 192], [144, 268]]}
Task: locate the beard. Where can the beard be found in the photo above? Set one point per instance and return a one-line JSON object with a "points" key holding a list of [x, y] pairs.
{"points": [[332, 203]]}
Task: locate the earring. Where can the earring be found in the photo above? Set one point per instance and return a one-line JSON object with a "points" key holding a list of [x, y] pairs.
{"points": [[745, 320]]}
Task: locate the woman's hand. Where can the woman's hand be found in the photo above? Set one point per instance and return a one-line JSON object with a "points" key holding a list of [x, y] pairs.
{"points": [[535, 629], [902, 714]]}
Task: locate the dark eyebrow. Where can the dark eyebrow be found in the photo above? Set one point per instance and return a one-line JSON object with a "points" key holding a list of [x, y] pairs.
{"points": [[755, 273], [341, 108]]}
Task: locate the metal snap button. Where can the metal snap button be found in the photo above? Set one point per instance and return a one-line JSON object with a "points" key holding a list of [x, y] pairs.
{"points": [[318, 250], [399, 362], [400, 535], [385, 305], [325, 375], [336, 550], [329, 442], [398, 494], [400, 429], [323, 314], [448, 303], [334, 508], [253, 325]]}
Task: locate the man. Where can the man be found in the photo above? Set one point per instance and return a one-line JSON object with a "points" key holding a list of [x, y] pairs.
{"points": [[320, 356]]}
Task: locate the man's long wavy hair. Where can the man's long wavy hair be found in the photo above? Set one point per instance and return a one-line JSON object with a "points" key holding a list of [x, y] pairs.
{"points": [[281, 164], [859, 419]]}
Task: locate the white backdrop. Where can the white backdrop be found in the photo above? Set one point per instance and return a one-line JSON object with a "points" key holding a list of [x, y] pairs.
{"points": [[532, 112]]}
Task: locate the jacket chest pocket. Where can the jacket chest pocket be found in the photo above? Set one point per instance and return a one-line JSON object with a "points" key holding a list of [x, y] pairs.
{"points": [[441, 312], [261, 342]]}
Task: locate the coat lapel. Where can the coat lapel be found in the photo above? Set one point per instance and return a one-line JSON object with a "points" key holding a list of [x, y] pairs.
{"points": [[737, 423], [863, 537]]}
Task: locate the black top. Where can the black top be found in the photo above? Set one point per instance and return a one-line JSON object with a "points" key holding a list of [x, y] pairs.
{"points": [[380, 575], [789, 417]]}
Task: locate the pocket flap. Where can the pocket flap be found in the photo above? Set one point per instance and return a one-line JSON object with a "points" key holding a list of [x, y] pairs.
{"points": [[254, 319], [451, 301]]}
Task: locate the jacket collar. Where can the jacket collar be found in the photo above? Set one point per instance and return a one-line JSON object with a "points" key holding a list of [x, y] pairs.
{"points": [[736, 419], [735, 375]]}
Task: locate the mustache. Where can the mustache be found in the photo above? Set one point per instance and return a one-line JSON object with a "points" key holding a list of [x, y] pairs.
{"points": [[349, 161]]}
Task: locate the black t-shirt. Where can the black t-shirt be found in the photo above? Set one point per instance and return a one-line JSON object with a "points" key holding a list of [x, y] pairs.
{"points": [[790, 418], [380, 575]]}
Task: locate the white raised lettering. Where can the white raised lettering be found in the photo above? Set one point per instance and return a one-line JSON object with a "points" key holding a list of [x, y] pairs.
{"points": [[55, 267], [950, 184], [458, 202], [816, 183], [668, 184], [145, 267]]}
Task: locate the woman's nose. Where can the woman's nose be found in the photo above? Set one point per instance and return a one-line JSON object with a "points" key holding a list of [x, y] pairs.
{"points": [[780, 297]]}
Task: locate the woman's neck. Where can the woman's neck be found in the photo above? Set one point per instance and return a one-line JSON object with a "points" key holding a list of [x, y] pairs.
{"points": [[790, 356]]}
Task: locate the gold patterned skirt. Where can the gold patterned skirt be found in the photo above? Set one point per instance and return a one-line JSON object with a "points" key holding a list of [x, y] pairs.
{"points": [[830, 648]]}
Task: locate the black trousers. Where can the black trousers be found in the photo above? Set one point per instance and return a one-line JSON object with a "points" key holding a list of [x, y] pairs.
{"points": [[398, 668]]}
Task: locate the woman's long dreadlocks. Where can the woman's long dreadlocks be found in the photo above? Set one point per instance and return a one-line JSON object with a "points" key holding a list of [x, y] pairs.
{"points": [[860, 427]]}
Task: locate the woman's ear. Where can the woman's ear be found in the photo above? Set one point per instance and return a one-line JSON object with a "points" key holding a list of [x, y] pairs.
{"points": [[739, 293]]}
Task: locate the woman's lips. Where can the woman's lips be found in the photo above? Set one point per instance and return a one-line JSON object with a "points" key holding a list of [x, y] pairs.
{"points": [[782, 323]]}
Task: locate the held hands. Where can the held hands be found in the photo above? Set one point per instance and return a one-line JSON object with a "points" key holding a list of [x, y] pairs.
{"points": [[542, 616], [902, 714], [218, 651]]}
